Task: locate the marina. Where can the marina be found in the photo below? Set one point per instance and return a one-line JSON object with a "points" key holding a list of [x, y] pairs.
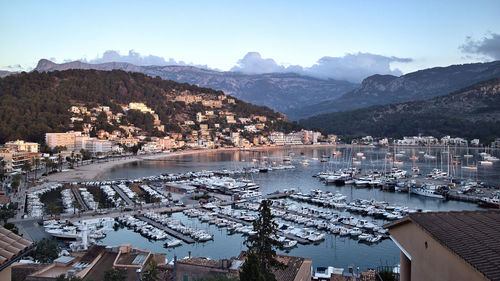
{"points": [[315, 217]]}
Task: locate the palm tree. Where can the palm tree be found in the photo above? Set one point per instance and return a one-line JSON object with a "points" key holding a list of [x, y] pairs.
{"points": [[26, 168], [36, 163], [47, 162], [59, 162]]}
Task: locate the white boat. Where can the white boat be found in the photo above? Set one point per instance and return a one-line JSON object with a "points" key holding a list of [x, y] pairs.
{"points": [[289, 244], [173, 243], [428, 192], [486, 163]]}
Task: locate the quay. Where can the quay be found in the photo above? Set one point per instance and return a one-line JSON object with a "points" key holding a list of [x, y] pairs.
{"points": [[122, 195], [171, 232], [461, 197], [79, 199]]}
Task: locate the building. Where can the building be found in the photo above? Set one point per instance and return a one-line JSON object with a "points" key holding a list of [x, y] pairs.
{"points": [[99, 146], [20, 145], [91, 264], [297, 268], [15, 160], [456, 246], [12, 248], [62, 139]]}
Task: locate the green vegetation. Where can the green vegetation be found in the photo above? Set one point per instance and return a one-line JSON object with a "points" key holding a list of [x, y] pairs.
{"points": [[8, 211], [39, 102], [261, 259], [46, 250], [473, 112], [151, 273], [113, 274], [63, 277], [219, 278]]}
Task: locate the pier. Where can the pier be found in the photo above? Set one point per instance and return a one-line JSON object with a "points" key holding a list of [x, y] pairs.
{"points": [[79, 199], [171, 232], [123, 195]]}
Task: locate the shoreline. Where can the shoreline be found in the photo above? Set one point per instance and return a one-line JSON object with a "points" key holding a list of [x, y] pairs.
{"points": [[95, 170]]}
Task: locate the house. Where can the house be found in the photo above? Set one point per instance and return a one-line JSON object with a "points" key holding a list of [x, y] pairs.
{"points": [[12, 248], [91, 264], [462, 245], [297, 268]]}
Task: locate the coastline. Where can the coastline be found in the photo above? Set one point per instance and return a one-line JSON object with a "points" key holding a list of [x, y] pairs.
{"points": [[93, 171]]}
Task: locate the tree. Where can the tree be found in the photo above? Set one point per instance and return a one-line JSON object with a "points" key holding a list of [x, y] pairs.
{"points": [[250, 271], [53, 209], [60, 162], [8, 211], [63, 277], [113, 274], [262, 242], [16, 181], [152, 272], [26, 168], [46, 250], [36, 163]]}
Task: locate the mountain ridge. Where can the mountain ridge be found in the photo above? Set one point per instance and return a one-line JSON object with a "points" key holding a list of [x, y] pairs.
{"points": [[284, 92], [418, 85], [472, 112]]}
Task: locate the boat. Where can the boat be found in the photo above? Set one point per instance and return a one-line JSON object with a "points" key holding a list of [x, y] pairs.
{"points": [[173, 243], [305, 163], [287, 244], [486, 163], [425, 191], [490, 202]]}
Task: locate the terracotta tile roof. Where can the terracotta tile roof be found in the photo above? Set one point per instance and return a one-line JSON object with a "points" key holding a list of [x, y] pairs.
{"points": [[290, 272], [200, 261], [472, 235], [11, 246]]}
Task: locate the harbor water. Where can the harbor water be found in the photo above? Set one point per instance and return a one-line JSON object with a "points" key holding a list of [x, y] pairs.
{"points": [[335, 250]]}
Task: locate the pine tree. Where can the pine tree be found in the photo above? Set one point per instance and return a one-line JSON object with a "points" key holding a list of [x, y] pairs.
{"points": [[250, 271], [263, 242]]}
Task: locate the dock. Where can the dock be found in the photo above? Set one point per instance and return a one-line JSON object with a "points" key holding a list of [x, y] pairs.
{"points": [[461, 197], [169, 231], [123, 195], [79, 199], [289, 236]]}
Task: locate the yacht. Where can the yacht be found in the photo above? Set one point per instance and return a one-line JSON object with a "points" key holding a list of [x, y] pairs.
{"points": [[173, 243], [425, 191]]}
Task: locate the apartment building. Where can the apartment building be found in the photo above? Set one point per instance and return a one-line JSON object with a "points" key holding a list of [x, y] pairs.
{"points": [[62, 139], [20, 145]]}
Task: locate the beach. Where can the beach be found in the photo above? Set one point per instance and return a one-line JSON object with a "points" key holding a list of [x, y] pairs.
{"points": [[93, 171]]}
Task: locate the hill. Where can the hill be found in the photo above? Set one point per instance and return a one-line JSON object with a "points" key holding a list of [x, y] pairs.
{"points": [[419, 85], [34, 103], [283, 92], [472, 112]]}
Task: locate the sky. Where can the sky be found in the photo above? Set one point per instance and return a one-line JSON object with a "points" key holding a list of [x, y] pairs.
{"points": [[328, 39]]}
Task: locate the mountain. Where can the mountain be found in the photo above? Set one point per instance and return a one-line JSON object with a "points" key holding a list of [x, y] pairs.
{"points": [[4, 73], [284, 92], [419, 85], [472, 112], [32, 104]]}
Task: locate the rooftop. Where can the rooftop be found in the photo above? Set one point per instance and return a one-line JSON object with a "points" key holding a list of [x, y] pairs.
{"points": [[11, 246], [472, 235]]}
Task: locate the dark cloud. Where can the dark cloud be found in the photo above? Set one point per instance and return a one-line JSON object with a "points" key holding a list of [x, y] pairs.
{"points": [[137, 59], [488, 46], [351, 67]]}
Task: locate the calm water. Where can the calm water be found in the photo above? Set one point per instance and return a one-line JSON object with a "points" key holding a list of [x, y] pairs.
{"points": [[334, 251]]}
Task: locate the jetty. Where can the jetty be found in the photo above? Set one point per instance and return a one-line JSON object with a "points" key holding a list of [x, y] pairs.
{"points": [[169, 231], [79, 199], [122, 195]]}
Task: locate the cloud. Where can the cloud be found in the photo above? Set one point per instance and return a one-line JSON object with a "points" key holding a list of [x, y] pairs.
{"points": [[136, 58], [488, 46], [253, 63], [355, 67], [351, 67]]}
